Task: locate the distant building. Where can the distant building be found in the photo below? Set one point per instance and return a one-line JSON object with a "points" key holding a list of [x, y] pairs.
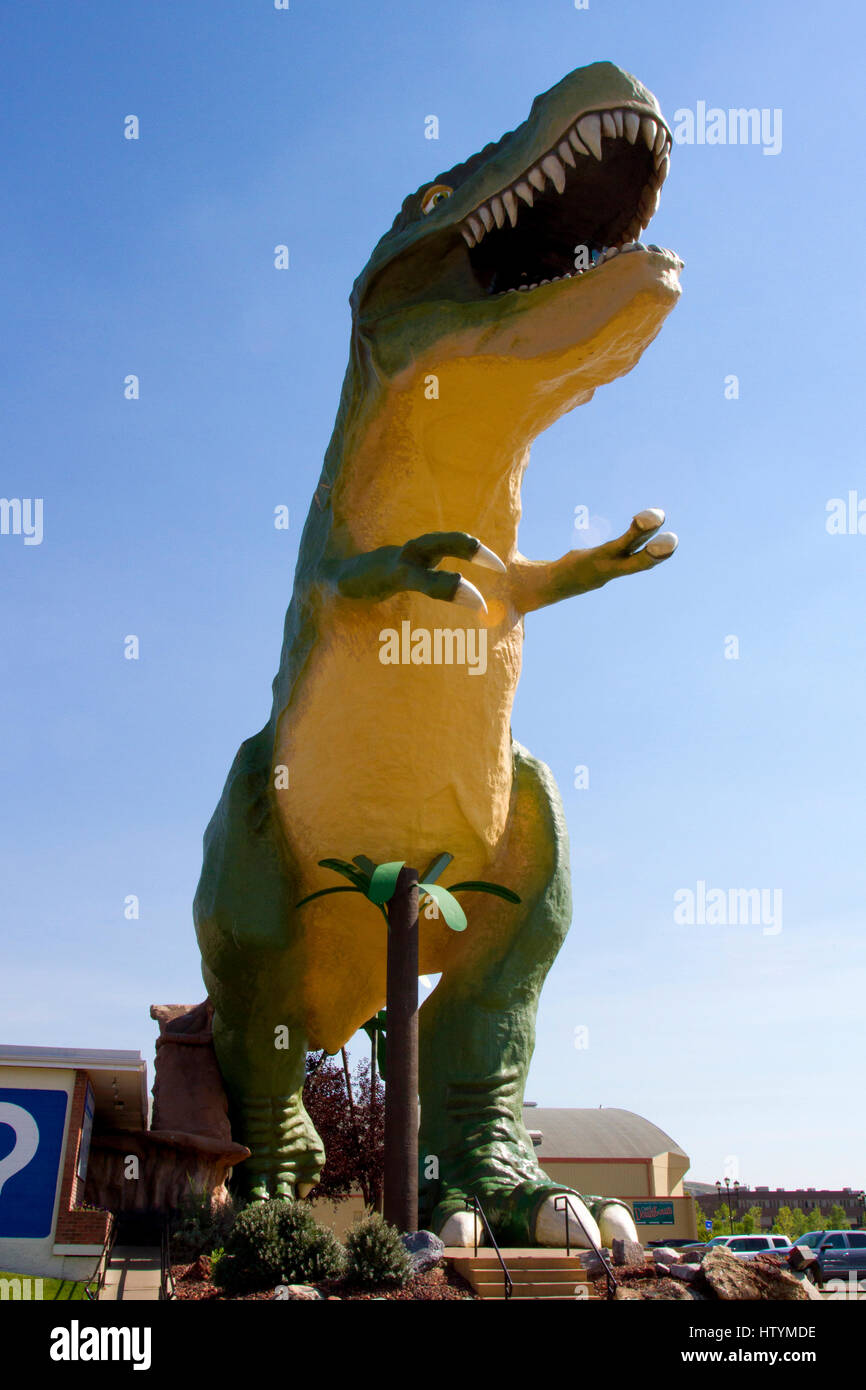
{"points": [[614, 1153], [771, 1200]]}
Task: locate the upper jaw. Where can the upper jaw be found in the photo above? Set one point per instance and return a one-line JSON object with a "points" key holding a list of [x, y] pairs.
{"points": [[586, 136], [595, 187]]}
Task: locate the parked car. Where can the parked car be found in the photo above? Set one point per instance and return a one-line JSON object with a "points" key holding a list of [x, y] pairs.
{"points": [[838, 1253], [747, 1247]]}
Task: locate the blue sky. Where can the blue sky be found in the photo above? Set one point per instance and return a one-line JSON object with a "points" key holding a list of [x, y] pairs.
{"points": [[155, 257]]}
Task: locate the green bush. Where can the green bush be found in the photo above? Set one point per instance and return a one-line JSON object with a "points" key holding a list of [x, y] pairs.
{"points": [[375, 1253], [277, 1242], [198, 1225]]}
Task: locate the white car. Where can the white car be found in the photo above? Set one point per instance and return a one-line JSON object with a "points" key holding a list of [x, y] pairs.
{"points": [[747, 1247]]}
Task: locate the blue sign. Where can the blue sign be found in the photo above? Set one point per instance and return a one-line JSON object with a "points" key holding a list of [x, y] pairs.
{"points": [[32, 1125], [708, 1225]]}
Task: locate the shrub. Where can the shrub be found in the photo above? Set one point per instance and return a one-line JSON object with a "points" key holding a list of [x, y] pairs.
{"points": [[277, 1242], [198, 1225], [375, 1253]]}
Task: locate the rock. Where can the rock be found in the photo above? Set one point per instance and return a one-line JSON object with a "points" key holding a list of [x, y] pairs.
{"points": [[686, 1272], [731, 1279], [801, 1257], [198, 1270], [425, 1250], [291, 1291], [666, 1291], [627, 1252], [622, 1294], [665, 1255], [811, 1290]]}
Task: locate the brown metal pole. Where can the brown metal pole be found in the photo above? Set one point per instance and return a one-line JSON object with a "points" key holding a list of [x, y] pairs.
{"points": [[401, 1090]]}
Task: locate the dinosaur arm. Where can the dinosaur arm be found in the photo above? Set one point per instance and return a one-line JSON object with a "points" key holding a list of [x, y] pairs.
{"points": [[535, 584], [391, 569]]}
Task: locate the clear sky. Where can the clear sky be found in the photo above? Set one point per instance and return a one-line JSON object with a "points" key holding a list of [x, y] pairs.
{"points": [[155, 257]]}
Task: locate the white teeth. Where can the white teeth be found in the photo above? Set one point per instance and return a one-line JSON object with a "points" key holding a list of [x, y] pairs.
{"points": [[632, 246], [649, 129], [544, 282], [498, 211], [486, 217], [662, 170], [533, 287], [618, 122], [522, 287], [523, 191], [576, 143], [510, 202], [565, 154], [661, 141], [608, 125], [589, 130], [536, 178], [476, 228], [610, 252], [632, 126], [554, 171], [467, 236]]}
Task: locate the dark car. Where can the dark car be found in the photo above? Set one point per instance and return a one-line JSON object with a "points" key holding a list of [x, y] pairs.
{"points": [[838, 1252]]}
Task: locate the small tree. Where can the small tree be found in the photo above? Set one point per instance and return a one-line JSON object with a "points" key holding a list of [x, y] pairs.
{"points": [[352, 1131], [836, 1218]]}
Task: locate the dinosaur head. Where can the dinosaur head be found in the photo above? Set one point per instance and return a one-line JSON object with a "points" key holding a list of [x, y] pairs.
{"points": [[524, 260]]}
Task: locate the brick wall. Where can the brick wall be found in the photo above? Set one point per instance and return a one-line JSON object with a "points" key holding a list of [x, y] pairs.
{"points": [[76, 1227]]}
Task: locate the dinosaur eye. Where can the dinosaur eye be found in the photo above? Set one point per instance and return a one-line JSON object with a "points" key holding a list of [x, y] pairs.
{"points": [[435, 195]]}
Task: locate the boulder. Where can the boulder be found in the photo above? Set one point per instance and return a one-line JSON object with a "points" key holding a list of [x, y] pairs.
{"points": [[801, 1257], [292, 1291], [665, 1255], [425, 1250], [627, 1252], [730, 1278], [685, 1272], [198, 1271]]}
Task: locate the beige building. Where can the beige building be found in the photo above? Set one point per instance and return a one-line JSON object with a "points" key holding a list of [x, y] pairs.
{"points": [[615, 1153]]}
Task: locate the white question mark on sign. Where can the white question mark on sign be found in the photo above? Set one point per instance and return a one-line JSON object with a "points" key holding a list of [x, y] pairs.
{"points": [[26, 1140]]}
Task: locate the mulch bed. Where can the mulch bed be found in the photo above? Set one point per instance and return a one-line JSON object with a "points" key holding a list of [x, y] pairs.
{"points": [[193, 1282]]}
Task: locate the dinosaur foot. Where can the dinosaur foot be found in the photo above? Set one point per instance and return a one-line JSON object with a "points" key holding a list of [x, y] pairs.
{"points": [[534, 1213], [286, 1157]]}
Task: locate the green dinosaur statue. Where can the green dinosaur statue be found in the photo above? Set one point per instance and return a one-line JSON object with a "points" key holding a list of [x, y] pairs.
{"points": [[503, 295]]}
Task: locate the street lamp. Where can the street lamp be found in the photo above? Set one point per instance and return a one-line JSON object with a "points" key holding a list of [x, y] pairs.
{"points": [[728, 1189]]}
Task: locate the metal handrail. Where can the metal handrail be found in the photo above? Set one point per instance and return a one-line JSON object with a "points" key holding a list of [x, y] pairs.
{"points": [[565, 1199], [166, 1278], [102, 1263], [472, 1203]]}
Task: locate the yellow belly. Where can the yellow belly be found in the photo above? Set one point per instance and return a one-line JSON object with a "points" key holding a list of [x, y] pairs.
{"points": [[394, 761]]}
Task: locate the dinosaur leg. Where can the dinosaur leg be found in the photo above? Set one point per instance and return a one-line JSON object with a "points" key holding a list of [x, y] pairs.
{"points": [[477, 1034], [244, 915]]}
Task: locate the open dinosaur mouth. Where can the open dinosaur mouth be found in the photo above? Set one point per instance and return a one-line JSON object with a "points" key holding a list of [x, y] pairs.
{"points": [[585, 201]]}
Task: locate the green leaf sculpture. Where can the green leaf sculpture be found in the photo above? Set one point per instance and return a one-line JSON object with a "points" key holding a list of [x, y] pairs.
{"points": [[378, 882]]}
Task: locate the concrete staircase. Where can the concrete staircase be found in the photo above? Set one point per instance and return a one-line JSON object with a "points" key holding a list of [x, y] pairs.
{"points": [[535, 1273]]}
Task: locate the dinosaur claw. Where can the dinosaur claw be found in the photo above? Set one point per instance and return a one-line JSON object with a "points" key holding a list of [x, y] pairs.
{"points": [[467, 596], [488, 559], [650, 519], [663, 545]]}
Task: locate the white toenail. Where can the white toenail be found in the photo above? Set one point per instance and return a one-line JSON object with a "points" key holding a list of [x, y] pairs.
{"points": [[651, 517], [663, 545]]}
